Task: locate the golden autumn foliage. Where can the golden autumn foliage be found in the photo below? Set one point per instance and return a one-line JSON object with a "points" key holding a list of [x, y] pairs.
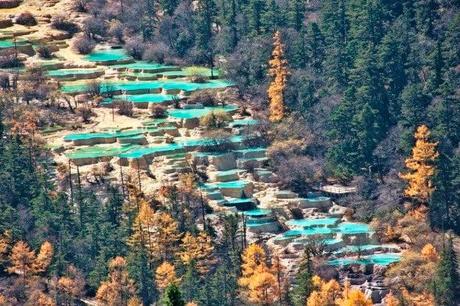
{"points": [[157, 231], [279, 73], [419, 299], [420, 166], [325, 293], [429, 252], [72, 285], [23, 260], [198, 250], [44, 257], [257, 277], [119, 288], [353, 297], [43, 299], [391, 300], [165, 274]]}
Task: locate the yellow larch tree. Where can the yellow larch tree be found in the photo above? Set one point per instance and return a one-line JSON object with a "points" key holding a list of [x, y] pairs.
{"points": [[325, 293], [165, 274], [197, 250], [420, 166], [257, 277], [156, 231], [279, 73], [429, 252], [22, 260], [119, 289], [44, 257], [353, 297]]}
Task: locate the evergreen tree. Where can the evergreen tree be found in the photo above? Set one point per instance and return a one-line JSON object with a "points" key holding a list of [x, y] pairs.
{"points": [[444, 211], [172, 297], [303, 285], [296, 14], [446, 286], [169, 6]]}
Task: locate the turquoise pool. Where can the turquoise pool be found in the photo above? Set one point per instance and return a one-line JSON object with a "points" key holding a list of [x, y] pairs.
{"points": [[109, 55], [243, 122], [71, 72], [308, 232], [142, 151], [353, 228], [313, 222], [144, 98], [198, 112], [257, 212], [84, 136], [9, 43], [145, 66], [147, 86], [382, 259], [232, 184]]}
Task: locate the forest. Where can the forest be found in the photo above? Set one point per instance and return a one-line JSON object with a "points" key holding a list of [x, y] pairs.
{"points": [[360, 95]]}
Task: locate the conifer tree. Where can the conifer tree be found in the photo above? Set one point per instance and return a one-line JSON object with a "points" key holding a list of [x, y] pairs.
{"points": [[165, 275], [257, 277], [421, 166], [172, 297], [197, 250], [303, 285], [119, 288], [446, 286], [279, 73]]}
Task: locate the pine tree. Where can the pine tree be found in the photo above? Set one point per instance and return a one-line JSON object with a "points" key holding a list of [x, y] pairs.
{"points": [[296, 14], [169, 6], [172, 297], [444, 211], [279, 73], [303, 285], [446, 287], [421, 166]]}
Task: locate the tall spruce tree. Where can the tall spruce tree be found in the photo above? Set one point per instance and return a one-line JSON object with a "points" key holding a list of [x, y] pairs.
{"points": [[446, 285]]}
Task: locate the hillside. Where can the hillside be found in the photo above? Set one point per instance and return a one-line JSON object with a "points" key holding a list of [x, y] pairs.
{"points": [[240, 152]]}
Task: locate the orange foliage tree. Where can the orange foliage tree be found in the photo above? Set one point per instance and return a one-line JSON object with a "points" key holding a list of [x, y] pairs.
{"points": [[279, 73], [325, 293], [119, 289], [165, 274], [353, 297], [257, 277], [197, 250], [420, 166], [24, 262], [156, 231]]}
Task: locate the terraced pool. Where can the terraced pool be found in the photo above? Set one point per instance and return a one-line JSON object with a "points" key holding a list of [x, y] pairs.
{"points": [[198, 112], [313, 222], [109, 55], [380, 259]]}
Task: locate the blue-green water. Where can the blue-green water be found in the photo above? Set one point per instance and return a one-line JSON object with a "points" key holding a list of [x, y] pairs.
{"points": [[198, 112], [243, 122], [353, 228], [308, 231], [144, 98], [257, 212], [232, 184], [145, 66], [107, 55], [142, 151], [85, 136], [70, 72], [147, 86], [383, 259], [313, 222]]}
